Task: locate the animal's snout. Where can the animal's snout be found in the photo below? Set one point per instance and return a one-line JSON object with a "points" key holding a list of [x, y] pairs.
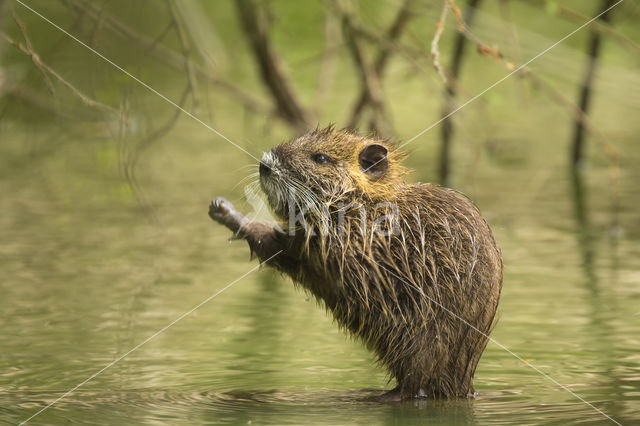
{"points": [[265, 170]]}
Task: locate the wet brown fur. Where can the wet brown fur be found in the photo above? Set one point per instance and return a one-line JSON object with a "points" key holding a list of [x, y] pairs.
{"points": [[423, 300]]}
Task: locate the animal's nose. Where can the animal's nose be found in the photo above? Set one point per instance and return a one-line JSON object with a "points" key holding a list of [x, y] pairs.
{"points": [[265, 170]]}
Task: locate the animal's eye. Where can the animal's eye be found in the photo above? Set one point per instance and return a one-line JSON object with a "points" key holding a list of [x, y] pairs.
{"points": [[320, 158]]}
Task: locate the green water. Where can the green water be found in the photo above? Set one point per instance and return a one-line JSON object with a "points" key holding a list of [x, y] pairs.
{"points": [[87, 274]]}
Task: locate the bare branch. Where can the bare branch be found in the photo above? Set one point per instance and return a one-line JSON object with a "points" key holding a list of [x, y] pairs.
{"points": [[46, 68], [37, 100], [386, 48], [29, 47], [157, 40], [257, 28], [165, 54], [435, 53], [156, 134], [130, 162], [371, 83]]}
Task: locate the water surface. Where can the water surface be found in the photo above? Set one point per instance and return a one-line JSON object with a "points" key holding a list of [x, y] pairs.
{"points": [[87, 274]]}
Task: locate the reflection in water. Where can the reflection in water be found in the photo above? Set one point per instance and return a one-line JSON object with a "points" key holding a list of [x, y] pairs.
{"points": [[260, 340], [599, 302], [584, 231]]}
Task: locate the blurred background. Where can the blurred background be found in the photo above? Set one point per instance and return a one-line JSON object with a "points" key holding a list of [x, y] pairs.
{"points": [[105, 186]]}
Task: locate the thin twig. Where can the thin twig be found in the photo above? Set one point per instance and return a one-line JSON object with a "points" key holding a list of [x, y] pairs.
{"points": [[386, 48], [481, 47], [29, 47], [161, 36], [368, 75], [165, 54], [43, 66], [131, 161], [435, 53], [37, 100], [95, 30]]}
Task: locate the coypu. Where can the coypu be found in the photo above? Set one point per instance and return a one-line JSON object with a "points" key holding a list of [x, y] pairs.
{"points": [[411, 269]]}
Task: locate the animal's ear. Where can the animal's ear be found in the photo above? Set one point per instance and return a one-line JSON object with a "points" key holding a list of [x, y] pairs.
{"points": [[373, 160]]}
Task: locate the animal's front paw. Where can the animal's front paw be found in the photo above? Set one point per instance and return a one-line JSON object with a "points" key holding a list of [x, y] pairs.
{"points": [[220, 210]]}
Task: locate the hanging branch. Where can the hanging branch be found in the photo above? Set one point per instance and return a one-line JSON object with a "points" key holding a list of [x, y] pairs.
{"points": [[156, 41], [387, 46], [43, 67], [464, 29], [435, 52], [288, 105], [368, 76], [165, 54], [131, 160], [29, 47]]}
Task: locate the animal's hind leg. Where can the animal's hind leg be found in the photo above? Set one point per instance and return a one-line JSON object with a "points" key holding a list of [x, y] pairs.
{"points": [[394, 395]]}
